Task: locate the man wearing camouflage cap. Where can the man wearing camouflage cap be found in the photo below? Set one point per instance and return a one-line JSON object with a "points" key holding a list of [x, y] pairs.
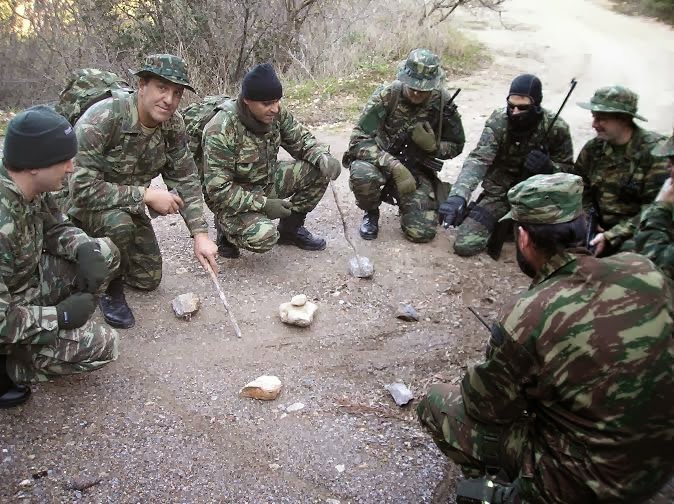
{"points": [[415, 110], [518, 141], [50, 271], [655, 235], [125, 141], [620, 173], [573, 402]]}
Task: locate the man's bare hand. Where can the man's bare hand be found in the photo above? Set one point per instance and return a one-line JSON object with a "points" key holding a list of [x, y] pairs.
{"points": [[599, 243], [666, 193], [205, 250], [162, 201]]}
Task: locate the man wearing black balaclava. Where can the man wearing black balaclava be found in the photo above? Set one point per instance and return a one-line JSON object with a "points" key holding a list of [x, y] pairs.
{"points": [[513, 146]]}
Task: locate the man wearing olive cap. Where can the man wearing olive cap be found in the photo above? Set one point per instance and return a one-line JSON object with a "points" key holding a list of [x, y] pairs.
{"points": [[50, 270], [620, 173], [125, 141], [416, 109], [573, 402]]}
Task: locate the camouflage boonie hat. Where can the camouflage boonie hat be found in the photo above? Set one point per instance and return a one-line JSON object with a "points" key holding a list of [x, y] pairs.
{"points": [[614, 100], [167, 66], [664, 148], [546, 199], [421, 70]]}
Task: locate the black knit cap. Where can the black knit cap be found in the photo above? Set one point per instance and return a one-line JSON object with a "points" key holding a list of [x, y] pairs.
{"points": [[38, 137], [527, 85], [261, 84]]}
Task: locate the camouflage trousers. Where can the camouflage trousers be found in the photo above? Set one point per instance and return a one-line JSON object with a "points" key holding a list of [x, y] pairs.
{"points": [[73, 351], [418, 210], [474, 232], [540, 477], [141, 262], [300, 181]]}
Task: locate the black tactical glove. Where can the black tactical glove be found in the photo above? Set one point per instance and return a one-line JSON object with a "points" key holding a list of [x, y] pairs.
{"points": [[75, 310], [451, 210], [91, 267], [538, 163], [277, 208]]}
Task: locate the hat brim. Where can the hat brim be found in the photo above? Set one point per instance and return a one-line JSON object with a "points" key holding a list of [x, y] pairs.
{"points": [[142, 73], [609, 110], [420, 84]]}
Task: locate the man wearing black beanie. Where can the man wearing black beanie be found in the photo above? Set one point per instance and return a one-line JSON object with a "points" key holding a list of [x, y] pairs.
{"points": [[247, 187], [513, 146], [50, 271]]}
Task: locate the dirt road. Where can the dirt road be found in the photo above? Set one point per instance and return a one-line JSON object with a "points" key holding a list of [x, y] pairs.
{"points": [[164, 423]]}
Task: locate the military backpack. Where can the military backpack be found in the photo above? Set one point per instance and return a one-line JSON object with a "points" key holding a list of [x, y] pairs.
{"points": [[197, 116]]}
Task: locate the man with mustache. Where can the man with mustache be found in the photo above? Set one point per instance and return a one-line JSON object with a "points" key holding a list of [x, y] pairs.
{"points": [[573, 402], [246, 186], [514, 145], [125, 141], [620, 173]]}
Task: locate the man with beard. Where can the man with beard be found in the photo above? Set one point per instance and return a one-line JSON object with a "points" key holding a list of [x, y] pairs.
{"points": [[573, 402], [516, 142], [655, 237], [126, 141], [246, 186], [414, 109], [621, 175]]}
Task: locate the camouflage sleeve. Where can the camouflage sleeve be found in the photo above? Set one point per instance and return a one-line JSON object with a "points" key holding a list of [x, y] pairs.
{"points": [[655, 175], [298, 140], [181, 174], [453, 137], [219, 142], [560, 147], [61, 238], [479, 160], [30, 325], [88, 189], [655, 238]]}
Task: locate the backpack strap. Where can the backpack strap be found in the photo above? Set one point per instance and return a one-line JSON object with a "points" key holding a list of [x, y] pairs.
{"points": [[396, 91]]}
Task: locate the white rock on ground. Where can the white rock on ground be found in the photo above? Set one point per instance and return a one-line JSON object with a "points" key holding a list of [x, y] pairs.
{"points": [[298, 311], [264, 388], [186, 305]]}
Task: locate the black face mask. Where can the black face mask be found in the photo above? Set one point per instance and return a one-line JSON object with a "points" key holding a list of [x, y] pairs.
{"points": [[524, 121], [524, 265]]}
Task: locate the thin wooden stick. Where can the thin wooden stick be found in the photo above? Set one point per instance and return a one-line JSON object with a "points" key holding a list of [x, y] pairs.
{"points": [[346, 231], [216, 282]]}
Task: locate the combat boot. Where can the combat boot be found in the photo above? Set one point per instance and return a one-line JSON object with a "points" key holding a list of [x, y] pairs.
{"points": [[11, 394], [369, 229], [292, 232], [225, 247], [114, 308]]}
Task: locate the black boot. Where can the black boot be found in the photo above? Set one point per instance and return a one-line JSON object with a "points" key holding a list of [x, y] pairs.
{"points": [[225, 247], [11, 394], [293, 232], [114, 308], [369, 229]]}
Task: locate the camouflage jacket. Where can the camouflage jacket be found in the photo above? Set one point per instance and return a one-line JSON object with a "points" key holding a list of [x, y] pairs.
{"points": [[239, 164], [388, 113], [498, 159], [116, 162], [655, 237], [27, 229], [621, 184], [588, 353]]}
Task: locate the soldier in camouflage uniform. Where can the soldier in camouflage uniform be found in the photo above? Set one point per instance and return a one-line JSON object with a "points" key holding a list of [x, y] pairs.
{"points": [[125, 141], [573, 403], [417, 107], [621, 175], [49, 269], [247, 187], [513, 146], [655, 236]]}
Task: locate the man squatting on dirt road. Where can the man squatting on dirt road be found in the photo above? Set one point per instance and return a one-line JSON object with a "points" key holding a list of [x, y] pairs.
{"points": [[50, 270], [415, 107], [246, 186], [125, 141], [574, 401]]}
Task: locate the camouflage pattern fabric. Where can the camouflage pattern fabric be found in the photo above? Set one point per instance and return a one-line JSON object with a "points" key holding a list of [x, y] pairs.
{"points": [[655, 236], [621, 181], [421, 70], [254, 231], [585, 363], [241, 167], [498, 162], [167, 66], [37, 270], [418, 210], [614, 100]]}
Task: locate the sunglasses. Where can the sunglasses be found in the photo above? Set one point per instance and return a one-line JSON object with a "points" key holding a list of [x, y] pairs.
{"points": [[523, 107]]}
